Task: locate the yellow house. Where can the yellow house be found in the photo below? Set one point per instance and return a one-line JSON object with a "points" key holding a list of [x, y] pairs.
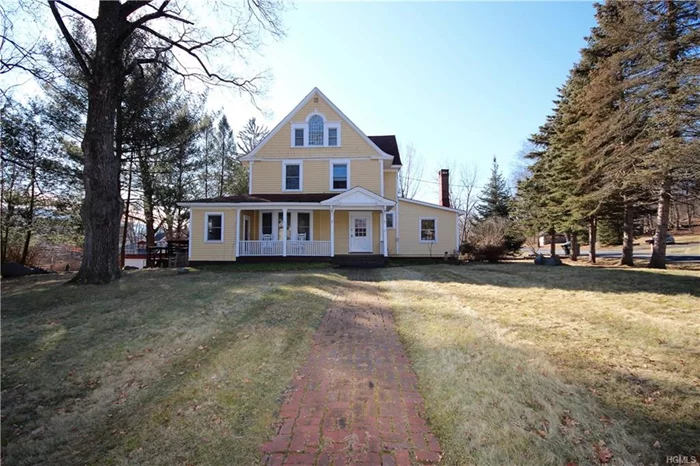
{"points": [[320, 188]]}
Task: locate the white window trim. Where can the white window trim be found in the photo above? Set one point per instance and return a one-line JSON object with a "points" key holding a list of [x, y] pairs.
{"points": [[328, 126], [206, 227], [302, 126], [393, 223], [284, 175], [330, 175], [305, 126], [420, 230]]}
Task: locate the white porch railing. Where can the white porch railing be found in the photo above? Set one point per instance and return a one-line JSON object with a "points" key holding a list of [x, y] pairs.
{"points": [[294, 248], [261, 248], [308, 248]]}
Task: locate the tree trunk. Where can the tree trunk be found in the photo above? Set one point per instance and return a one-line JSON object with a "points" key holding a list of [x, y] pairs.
{"points": [[206, 163], [30, 214], [574, 246], [102, 206], [552, 243], [658, 254], [592, 238], [127, 205], [628, 234]]}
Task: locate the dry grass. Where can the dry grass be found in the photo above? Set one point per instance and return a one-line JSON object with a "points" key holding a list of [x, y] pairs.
{"points": [[522, 364], [155, 369]]}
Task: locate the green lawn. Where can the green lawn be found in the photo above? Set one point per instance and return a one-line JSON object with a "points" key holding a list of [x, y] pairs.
{"points": [[158, 368], [518, 364], [521, 364]]}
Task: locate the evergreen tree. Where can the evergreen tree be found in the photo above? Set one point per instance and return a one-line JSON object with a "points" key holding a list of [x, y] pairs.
{"points": [[495, 199], [251, 136]]}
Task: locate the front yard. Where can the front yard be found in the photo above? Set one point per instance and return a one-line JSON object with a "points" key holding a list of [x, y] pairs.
{"points": [[534, 365], [156, 369], [517, 364]]}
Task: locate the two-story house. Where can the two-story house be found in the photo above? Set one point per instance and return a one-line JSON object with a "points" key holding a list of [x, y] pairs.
{"points": [[319, 187]]}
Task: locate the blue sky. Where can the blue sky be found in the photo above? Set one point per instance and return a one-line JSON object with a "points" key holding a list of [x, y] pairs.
{"points": [[460, 81]]}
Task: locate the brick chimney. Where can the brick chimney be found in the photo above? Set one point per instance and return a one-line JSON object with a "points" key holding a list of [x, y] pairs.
{"points": [[445, 187]]}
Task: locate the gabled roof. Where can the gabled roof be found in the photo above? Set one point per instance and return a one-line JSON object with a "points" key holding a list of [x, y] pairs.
{"points": [[389, 145], [358, 196], [285, 121]]}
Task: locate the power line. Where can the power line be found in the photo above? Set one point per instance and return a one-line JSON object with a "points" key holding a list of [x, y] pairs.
{"points": [[451, 184]]}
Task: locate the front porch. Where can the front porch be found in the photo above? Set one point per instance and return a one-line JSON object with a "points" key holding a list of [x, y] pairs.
{"points": [[352, 223]]}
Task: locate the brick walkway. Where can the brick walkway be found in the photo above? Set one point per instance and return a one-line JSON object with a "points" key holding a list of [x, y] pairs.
{"points": [[355, 401]]}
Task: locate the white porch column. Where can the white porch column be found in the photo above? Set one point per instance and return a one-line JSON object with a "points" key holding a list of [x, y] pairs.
{"points": [[238, 232], [332, 232], [284, 232], [385, 249]]}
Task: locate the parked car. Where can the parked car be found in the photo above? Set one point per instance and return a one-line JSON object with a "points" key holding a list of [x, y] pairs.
{"points": [[669, 240]]}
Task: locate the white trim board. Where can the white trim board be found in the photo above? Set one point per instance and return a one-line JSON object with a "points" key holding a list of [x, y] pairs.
{"points": [[206, 227], [428, 204], [420, 230]]}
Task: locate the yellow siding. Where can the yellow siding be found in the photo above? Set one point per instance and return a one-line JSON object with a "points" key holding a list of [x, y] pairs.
{"points": [[342, 231], [376, 232], [203, 251], [316, 176], [365, 173], [352, 144], [409, 230], [267, 176], [391, 239], [322, 225], [390, 184]]}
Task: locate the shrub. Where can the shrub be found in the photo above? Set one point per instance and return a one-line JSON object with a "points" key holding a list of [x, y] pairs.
{"points": [[491, 239]]}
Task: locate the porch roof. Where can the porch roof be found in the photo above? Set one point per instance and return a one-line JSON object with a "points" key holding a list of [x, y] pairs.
{"points": [[262, 198], [355, 197]]}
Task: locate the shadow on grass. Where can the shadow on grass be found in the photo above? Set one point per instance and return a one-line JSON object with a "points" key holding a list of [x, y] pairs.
{"points": [[63, 344], [526, 275]]}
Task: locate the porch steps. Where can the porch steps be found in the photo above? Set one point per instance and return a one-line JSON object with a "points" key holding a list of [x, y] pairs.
{"points": [[360, 260]]}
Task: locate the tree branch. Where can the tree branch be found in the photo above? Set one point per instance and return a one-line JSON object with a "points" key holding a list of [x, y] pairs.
{"points": [[75, 10], [77, 50]]}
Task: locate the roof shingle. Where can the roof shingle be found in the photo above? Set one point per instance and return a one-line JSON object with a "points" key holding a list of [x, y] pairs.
{"points": [[389, 145]]}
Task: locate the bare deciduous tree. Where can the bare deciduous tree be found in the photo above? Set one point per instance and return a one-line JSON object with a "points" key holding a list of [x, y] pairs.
{"points": [[464, 196], [153, 32], [411, 172]]}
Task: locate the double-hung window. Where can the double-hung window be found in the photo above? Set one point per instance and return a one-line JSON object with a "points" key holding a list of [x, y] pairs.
{"points": [[428, 230], [340, 176], [215, 227], [298, 137], [332, 136], [292, 176]]}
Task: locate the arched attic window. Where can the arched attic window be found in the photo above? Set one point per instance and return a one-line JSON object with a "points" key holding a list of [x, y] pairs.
{"points": [[316, 130]]}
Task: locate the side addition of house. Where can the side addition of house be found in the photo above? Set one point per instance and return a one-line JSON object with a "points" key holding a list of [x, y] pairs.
{"points": [[319, 187]]}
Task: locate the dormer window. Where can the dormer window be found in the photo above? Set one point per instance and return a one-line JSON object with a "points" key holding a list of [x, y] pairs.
{"points": [[316, 132]]}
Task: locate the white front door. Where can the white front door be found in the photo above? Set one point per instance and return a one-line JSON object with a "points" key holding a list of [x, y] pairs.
{"points": [[360, 232]]}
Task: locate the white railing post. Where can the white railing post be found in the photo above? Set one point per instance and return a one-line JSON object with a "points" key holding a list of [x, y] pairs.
{"points": [[238, 232], [385, 248], [332, 232], [284, 232]]}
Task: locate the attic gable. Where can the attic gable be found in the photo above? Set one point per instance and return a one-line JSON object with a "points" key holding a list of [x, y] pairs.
{"points": [[279, 144]]}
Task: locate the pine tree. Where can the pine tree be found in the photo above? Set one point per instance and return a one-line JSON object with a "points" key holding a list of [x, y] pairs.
{"points": [[495, 199], [251, 136]]}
